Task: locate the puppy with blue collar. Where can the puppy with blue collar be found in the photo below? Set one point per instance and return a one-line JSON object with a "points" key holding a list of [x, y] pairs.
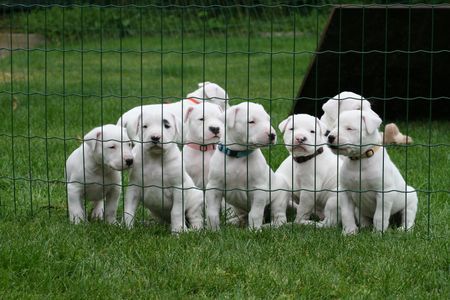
{"points": [[239, 172]]}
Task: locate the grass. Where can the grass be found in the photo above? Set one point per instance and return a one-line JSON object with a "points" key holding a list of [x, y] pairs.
{"points": [[41, 255]]}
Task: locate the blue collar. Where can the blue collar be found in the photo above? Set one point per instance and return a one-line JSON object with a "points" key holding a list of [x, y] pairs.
{"points": [[233, 153]]}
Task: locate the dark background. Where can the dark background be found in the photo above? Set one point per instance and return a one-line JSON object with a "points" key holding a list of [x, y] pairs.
{"points": [[404, 72]]}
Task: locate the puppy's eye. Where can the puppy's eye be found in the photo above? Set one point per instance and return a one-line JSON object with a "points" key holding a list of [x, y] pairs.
{"points": [[292, 128], [251, 122], [312, 131], [166, 124], [112, 147], [349, 128], [201, 119], [145, 126]]}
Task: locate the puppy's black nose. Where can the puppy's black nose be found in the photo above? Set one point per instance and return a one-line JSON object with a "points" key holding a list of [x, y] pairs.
{"points": [[331, 139], [272, 136], [214, 130], [129, 161], [155, 138]]}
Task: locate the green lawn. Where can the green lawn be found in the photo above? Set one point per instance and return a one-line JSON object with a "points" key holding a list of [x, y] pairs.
{"points": [[41, 255]]}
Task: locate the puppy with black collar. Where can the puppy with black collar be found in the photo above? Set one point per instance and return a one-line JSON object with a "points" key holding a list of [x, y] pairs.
{"points": [[374, 185], [240, 173], [314, 169]]}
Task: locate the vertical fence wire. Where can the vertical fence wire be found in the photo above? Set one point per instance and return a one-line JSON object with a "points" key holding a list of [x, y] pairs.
{"points": [[13, 160], [63, 44], [30, 171], [430, 126]]}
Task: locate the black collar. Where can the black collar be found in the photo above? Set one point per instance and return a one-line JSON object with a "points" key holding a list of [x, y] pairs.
{"points": [[302, 159]]}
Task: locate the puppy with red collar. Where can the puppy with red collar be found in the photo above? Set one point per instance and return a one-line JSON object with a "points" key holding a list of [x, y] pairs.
{"points": [[206, 92], [203, 126]]}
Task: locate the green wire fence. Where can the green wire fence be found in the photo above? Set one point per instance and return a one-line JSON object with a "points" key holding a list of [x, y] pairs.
{"points": [[67, 68]]}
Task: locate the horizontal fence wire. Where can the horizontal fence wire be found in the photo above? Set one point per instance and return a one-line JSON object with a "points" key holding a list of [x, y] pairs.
{"points": [[92, 63]]}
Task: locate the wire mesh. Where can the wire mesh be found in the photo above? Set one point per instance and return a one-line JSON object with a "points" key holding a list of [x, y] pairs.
{"points": [[93, 63]]}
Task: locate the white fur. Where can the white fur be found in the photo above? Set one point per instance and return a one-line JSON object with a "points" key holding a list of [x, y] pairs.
{"points": [[249, 182], [387, 192], [207, 92], [317, 177], [204, 126], [344, 101], [211, 92], [93, 172], [158, 177]]}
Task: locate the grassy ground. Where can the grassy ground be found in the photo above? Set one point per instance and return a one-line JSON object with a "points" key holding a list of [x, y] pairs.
{"points": [[41, 255]]}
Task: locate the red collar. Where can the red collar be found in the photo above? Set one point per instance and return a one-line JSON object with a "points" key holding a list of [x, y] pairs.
{"points": [[193, 100], [202, 148]]}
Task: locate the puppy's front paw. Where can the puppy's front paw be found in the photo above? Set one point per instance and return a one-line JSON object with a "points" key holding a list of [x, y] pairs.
{"points": [[348, 231], [178, 230], [404, 229], [380, 225]]}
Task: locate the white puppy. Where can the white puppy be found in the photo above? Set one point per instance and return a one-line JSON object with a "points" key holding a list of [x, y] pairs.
{"points": [[239, 171], [207, 92], [344, 101], [211, 92], [369, 169], [203, 126], [315, 169], [158, 177], [93, 172]]}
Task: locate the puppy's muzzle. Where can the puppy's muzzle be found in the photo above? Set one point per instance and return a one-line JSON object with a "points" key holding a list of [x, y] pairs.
{"points": [[214, 130], [129, 162], [155, 139], [331, 139], [272, 137], [301, 140]]}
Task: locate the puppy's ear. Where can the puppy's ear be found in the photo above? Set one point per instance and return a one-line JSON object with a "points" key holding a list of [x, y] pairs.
{"points": [[283, 125], [92, 138], [133, 128], [372, 121], [365, 105], [176, 126], [188, 113], [321, 127], [231, 115], [331, 106], [202, 84]]}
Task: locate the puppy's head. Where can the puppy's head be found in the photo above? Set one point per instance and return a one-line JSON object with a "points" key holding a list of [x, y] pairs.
{"points": [[157, 129], [357, 131], [212, 92], [301, 133], [249, 124], [340, 103], [203, 123], [110, 145]]}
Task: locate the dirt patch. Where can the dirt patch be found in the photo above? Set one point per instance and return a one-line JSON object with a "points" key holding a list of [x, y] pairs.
{"points": [[18, 41]]}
